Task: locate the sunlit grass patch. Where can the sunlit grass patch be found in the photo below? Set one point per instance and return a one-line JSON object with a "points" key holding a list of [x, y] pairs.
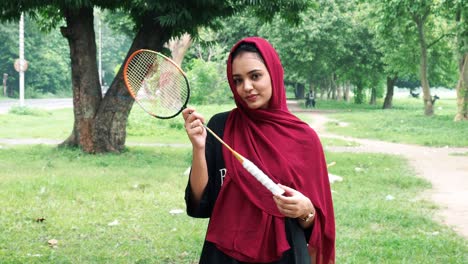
{"points": [[117, 209], [383, 218]]}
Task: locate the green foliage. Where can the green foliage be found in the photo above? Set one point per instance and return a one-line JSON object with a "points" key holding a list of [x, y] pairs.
{"points": [[114, 44], [207, 83], [398, 39], [48, 59]]}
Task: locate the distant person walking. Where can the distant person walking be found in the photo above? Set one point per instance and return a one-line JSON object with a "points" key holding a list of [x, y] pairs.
{"points": [[310, 100]]}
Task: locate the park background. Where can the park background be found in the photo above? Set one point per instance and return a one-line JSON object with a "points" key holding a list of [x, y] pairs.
{"points": [[113, 191]]}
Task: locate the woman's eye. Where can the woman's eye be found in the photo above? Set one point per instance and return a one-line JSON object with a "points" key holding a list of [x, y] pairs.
{"points": [[237, 81], [255, 76]]}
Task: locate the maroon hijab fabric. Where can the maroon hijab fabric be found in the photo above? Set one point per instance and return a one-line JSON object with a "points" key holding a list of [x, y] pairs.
{"points": [[245, 223]]}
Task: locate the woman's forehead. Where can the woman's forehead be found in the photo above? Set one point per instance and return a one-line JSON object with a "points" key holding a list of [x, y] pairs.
{"points": [[248, 60]]}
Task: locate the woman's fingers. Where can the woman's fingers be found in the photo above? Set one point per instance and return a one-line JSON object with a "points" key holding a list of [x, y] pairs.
{"points": [[293, 204]]}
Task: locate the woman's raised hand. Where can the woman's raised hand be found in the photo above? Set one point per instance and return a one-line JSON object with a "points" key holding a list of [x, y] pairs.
{"points": [[194, 127]]}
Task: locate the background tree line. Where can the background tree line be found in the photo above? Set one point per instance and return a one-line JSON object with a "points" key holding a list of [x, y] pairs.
{"points": [[331, 48]]}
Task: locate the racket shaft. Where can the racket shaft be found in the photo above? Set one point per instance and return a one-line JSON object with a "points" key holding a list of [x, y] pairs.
{"points": [[262, 177], [237, 155], [251, 168]]}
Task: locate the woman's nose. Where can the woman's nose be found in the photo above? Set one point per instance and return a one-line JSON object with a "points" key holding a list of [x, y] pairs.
{"points": [[248, 86]]}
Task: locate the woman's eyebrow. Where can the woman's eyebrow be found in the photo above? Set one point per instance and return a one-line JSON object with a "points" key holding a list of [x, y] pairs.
{"points": [[250, 72], [254, 71]]}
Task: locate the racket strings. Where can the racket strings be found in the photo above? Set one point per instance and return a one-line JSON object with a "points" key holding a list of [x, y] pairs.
{"points": [[158, 85]]}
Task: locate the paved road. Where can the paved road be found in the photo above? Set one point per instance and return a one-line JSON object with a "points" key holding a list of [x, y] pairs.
{"points": [[57, 103]]}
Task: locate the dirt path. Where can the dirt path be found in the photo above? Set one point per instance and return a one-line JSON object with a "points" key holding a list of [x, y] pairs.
{"points": [[447, 172]]}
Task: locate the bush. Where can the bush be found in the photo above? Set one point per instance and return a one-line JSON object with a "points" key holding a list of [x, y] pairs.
{"points": [[208, 83]]}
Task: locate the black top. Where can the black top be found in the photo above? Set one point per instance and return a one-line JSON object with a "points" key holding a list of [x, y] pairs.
{"points": [[297, 237]]}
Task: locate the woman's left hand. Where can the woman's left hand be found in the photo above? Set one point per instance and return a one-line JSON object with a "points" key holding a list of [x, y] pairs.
{"points": [[292, 203]]}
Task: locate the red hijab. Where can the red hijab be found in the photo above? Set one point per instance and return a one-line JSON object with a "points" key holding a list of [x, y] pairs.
{"points": [[245, 223]]}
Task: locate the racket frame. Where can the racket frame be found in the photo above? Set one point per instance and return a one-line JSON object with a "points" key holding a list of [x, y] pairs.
{"points": [[248, 165], [134, 96]]}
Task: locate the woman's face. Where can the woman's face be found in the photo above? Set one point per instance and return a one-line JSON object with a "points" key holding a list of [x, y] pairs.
{"points": [[252, 80]]}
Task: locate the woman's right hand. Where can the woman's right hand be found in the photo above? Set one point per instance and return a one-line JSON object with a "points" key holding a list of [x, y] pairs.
{"points": [[194, 127]]}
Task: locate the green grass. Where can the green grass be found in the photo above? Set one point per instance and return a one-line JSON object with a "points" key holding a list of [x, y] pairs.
{"points": [[405, 123], [459, 154], [35, 123], [79, 195], [374, 229]]}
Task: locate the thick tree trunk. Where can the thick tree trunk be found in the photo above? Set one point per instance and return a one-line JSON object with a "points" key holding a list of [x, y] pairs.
{"points": [[462, 85], [346, 91], [427, 98], [112, 116], [333, 86], [299, 90], [339, 92], [390, 89], [359, 95], [462, 90], [85, 78], [100, 123], [373, 96]]}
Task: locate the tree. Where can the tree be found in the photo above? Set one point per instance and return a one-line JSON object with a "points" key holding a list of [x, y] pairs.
{"points": [[397, 47], [48, 67], [456, 10], [418, 17], [100, 122]]}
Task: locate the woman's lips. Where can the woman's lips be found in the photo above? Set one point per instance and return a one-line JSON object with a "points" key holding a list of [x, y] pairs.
{"points": [[252, 98]]}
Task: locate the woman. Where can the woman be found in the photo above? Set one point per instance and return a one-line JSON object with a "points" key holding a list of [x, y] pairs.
{"points": [[247, 223]]}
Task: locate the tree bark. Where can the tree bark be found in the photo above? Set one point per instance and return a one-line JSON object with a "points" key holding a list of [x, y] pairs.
{"points": [[462, 85], [339, 92], [390, 89], [334, 86], [299, 90], [427, 98], [359, 95], [346, 91], [462, 90], [85, 78], [112, 116], [100, 123], [373, 96]]}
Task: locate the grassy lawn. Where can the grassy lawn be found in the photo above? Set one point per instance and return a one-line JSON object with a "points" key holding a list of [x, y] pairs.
{"points": [[117, 209], [58, 124], [405, 123]]}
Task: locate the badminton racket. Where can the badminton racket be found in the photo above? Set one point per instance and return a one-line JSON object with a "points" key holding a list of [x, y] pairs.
{"points": [[161, 88]]}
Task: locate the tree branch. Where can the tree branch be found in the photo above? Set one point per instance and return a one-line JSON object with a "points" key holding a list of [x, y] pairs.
{"points": [[437, 40]]}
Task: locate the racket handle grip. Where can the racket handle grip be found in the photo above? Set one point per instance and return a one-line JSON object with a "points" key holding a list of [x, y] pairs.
{"points": [[262, 177]]}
